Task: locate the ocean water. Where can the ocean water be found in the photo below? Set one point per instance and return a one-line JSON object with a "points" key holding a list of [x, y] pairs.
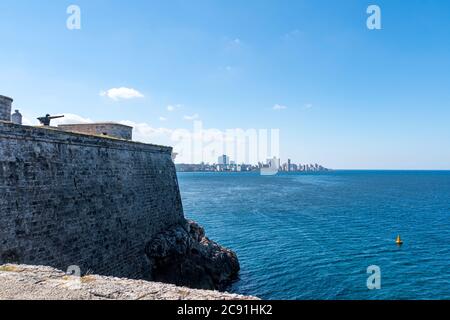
{"points": [[313, 236]]}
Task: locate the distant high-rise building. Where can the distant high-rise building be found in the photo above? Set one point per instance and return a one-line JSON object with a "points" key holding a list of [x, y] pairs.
{"points": [[289, 165], [274, 163], [223, 160]]}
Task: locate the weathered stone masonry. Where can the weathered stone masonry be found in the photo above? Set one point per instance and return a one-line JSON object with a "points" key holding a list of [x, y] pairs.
{"points": [[73, 199], [5, 108], [114, 130]]}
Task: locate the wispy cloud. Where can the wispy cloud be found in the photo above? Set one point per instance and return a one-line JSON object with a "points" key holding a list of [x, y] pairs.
{"points": [[236, 41], [173, 107], [192, 118], [180, 140], [227, 69], [279, 107], [233, 44], [144, 132], [162, 119], [293, 34], [308, 106], [70, 118], [121, 93], [26, 121]]}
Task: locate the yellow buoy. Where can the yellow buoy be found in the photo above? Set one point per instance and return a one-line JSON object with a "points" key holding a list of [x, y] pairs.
{"points": [[399, 241]]}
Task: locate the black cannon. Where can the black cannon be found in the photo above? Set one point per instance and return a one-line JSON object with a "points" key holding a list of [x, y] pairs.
{"points": [[45, 121]]}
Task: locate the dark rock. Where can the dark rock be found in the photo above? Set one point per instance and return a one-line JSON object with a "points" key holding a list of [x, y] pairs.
{"points": [[184, 256]]}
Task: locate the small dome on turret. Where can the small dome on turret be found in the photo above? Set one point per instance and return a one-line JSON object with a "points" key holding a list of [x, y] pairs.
{"points": [[16, 117]]}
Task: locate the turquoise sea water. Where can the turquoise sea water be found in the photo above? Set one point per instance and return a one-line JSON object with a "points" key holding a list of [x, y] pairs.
{"points": [[312, 236]]}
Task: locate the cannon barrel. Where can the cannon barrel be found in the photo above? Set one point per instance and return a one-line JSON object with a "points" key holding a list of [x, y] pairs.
{"points": [[46, 120], [55, 117]]}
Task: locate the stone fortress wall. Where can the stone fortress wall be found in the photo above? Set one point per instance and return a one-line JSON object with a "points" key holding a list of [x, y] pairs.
{"points": [[101, 202], [72, 199], [114, 130]]}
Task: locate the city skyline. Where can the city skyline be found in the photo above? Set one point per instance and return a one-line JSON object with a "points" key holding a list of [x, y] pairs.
{"points": [[339, 93], [225, 164]]}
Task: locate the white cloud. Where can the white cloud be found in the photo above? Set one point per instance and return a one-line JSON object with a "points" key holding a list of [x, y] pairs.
{"points": [[173, 107], [121, 93], [70, 118], [143, 132], [233, 44], [162, 119], [278, 107], [191, 118], [28, 122], [180, 139], [293, 34]]}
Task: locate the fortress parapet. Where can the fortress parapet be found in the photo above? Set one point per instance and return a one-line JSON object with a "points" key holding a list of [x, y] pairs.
{"points": [[109, 129]]}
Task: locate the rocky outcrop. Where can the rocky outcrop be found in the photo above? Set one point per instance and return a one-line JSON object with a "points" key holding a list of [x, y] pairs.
{"points": [[182, 259], [184, 256], [20, 282]]}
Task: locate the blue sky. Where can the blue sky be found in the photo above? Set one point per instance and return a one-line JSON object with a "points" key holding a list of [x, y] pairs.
{"points": [[351, 97]]}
